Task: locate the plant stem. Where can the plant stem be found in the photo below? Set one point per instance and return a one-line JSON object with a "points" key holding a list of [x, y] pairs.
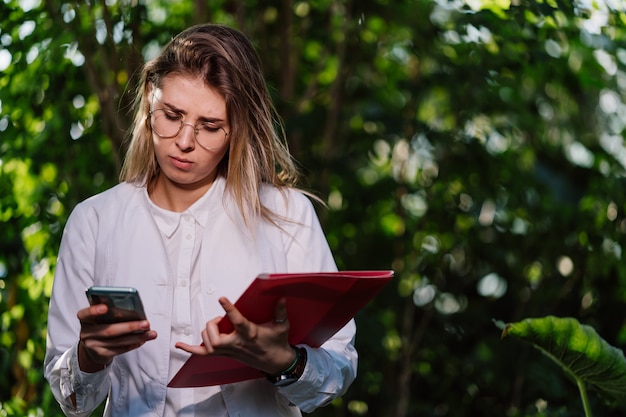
{"points": [[583, 397]]}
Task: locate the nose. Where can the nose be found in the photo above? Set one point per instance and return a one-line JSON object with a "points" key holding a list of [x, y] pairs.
{"points": [[186, 138]]}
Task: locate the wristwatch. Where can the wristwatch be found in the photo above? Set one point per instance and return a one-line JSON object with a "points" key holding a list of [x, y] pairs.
{"points": [[293, 372]]}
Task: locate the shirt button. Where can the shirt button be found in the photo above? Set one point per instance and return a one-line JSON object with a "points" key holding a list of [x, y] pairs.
{"points": [[210, 290], [183, 283], [187, 331], [189, 237]]}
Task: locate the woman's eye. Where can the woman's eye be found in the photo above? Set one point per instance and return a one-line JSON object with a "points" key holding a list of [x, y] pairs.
{"points": [[172, 116], [209, 127]]}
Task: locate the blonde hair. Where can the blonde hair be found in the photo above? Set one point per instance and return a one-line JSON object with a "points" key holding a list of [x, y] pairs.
{"points": [[258, 154]]}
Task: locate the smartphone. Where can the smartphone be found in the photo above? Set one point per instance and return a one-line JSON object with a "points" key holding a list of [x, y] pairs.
{"points": [[124, 303]]}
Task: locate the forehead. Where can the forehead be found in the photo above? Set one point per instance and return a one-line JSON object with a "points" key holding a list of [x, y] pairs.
{"points": [[191, 95]]}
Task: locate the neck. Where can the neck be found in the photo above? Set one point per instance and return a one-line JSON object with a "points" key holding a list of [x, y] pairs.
{"points": [[175, 197]]}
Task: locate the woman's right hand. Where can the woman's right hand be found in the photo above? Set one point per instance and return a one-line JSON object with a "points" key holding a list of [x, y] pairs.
{"points": [[100, 343]]}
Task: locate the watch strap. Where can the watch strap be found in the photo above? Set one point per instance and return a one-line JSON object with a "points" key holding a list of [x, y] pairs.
{"points": [[293, 372]]}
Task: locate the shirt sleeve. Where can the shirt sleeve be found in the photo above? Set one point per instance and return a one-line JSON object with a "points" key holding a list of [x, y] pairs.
{"points": [[329, 371], [332, 367], [77, 392]]}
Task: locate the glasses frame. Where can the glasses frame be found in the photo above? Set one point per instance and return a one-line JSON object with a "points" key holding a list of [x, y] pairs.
{"points": [[180, 129]]}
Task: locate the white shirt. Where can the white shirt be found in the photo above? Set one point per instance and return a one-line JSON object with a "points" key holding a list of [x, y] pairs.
{"points": [[182, 236], [119, 238]]}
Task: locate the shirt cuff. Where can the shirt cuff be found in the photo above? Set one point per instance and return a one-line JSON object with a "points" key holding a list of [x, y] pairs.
{"points": [[85, 388], [324, 375]]}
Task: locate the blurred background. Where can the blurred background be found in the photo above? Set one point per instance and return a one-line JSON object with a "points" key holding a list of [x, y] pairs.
{"points": [[476, 147]]}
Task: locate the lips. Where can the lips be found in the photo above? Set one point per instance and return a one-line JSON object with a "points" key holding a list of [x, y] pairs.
{"points": [[181, 163]]}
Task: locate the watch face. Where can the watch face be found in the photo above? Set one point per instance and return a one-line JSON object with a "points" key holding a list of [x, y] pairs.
{"points": [[285, 380], [294, 372]]}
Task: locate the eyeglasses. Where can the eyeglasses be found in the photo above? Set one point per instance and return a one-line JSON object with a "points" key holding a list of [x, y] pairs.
{"points": [[168, 124]]}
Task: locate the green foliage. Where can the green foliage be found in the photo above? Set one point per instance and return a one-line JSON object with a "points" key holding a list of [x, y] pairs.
{"points": [[584, 356], [475, 147]]}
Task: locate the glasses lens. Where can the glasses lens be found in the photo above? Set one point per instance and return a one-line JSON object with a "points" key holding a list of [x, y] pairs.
{"points": [[166, 125], [210, 136]]}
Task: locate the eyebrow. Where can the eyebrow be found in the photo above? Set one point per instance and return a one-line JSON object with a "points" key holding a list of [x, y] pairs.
{"points": [[203, 119]]}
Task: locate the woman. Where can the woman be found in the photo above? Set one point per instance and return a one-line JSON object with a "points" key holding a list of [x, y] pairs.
{"points": [[208, 200]]}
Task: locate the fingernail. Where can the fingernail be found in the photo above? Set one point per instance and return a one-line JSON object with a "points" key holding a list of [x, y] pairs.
{"points": [[101, 308], [144, 325]]}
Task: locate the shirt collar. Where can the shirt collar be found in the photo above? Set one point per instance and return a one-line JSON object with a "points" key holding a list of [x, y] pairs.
{"points": [[168, 221]]}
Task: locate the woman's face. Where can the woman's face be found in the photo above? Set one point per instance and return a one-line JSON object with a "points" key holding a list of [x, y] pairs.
{"points": [[184, 163]]}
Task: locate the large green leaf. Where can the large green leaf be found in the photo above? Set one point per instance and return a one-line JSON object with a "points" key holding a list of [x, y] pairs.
{"points": [[577, 348]]}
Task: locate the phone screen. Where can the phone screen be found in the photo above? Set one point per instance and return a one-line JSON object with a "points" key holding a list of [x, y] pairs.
{"points": [[124, 303]]}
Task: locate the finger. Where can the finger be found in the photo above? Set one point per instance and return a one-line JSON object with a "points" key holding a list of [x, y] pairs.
{"points": [[195, 349], [212, 337], [229, 308], [139, 326], [102, 351], [126, 327], [233, 314], [280, 312], [122, 342], [116, 330], [91, 312]]}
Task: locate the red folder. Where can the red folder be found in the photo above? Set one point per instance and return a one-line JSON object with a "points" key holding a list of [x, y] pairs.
{"points": [[318, 305]]}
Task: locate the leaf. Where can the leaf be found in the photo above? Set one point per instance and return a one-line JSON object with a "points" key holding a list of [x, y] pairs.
{"points": [[578, 349]]}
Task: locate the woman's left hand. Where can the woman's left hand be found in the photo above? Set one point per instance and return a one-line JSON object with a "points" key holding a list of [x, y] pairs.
{"points": [[262, 346]]}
